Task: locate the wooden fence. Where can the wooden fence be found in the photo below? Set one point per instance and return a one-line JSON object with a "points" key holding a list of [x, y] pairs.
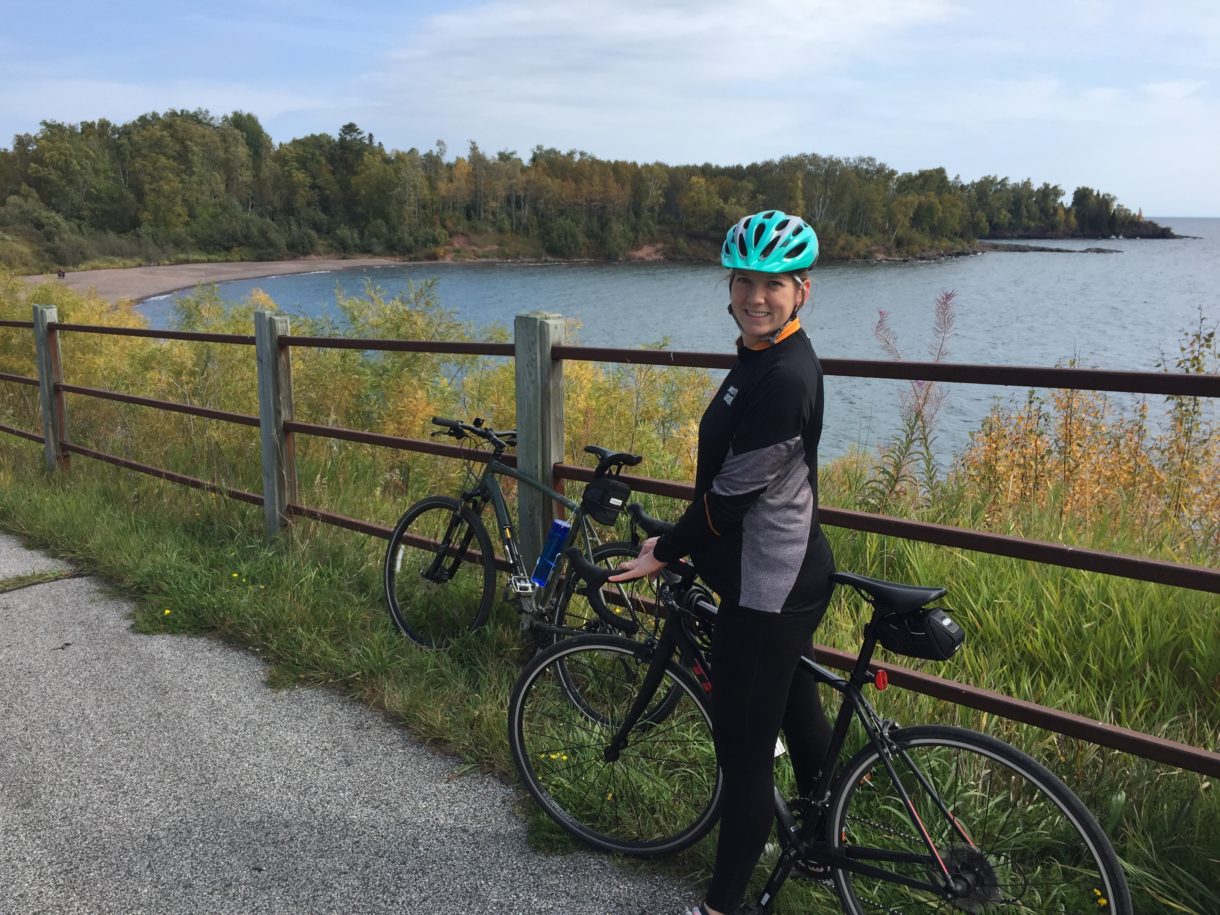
{"points": [[539, 352]]}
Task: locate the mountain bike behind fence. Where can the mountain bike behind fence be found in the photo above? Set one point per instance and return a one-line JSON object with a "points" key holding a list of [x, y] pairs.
{"points": [[440, 567], [612, 737]]}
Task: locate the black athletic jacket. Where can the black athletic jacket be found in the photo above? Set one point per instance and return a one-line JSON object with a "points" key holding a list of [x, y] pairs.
{"points": [[752, 529]]}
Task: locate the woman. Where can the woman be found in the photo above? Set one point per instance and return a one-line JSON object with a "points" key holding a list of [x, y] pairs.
{"points": [[752, 531]]}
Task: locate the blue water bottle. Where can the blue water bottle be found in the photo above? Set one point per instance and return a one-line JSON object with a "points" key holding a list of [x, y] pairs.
{"points": [[546, 561]]}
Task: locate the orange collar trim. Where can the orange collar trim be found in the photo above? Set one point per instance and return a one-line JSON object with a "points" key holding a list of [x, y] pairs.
{"points": [[782, 334]]}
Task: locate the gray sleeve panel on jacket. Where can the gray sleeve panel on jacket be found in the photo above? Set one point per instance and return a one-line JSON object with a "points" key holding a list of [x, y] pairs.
{"points": [[776, 527], [756, 470]]}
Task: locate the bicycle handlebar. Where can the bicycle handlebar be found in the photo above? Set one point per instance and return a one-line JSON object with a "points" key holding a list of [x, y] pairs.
{"points": [[594, 578], [459, 430], [653, 527]]}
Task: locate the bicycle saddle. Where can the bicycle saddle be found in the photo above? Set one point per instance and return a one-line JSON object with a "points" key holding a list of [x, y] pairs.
{"points": [[889, 595], [607, 459]]}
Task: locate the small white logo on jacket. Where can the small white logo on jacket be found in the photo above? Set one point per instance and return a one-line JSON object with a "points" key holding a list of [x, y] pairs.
{"points": [[729, 395]]}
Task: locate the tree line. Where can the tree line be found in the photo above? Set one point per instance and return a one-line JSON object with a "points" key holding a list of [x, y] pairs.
{"points": [[188, 184]]}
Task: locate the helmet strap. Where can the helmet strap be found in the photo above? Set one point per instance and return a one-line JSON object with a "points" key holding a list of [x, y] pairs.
{"points": [[733, 316], [784, 329]]}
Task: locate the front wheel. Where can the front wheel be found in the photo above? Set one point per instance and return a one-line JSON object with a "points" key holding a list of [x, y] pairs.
{"points": [[634, 600], [440, 572], [660, 792], [1010, 836]]}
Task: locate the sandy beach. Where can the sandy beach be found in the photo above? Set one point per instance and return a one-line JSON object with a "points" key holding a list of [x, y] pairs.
{"points": [[135, 283]]}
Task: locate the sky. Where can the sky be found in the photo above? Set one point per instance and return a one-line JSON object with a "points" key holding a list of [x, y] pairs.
{"points": [[1122, 96]]}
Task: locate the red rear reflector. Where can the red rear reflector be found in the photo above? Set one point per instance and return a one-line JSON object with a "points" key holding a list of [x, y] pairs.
{"points": [[881, 679]]}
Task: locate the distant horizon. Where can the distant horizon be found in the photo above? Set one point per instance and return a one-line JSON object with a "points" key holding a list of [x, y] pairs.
{"points": [[1119, 97]]}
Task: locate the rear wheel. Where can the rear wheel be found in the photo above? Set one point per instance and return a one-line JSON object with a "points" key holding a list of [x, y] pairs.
{"points": [[1012, 837], [440, 573], [658, 794]]}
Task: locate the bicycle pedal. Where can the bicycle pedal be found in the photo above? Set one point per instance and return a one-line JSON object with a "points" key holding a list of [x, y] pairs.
{"points": [[814, 873], [521, 585]]}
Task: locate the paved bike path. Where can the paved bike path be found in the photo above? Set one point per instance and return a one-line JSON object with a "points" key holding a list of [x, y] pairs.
{"points": [[160, 774]]}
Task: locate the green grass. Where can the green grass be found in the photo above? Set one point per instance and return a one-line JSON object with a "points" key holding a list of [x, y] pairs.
{"points": [[17, 582], [1133, 654], [312, 607]]}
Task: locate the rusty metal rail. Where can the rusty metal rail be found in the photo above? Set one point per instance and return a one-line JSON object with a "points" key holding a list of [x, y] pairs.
{"points": [[394, 441], [401, 346], [1144, 745], [19, 379], [21, 433], [1197, 578], [343, 521], [195, 336], [193, 482], [1136, 743], [243, 419], [1168, 383]]}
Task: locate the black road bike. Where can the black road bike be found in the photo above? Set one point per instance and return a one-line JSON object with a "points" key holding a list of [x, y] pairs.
{"points": [[613, 738]]}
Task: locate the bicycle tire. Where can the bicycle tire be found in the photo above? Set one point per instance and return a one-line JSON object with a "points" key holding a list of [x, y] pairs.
{"points": [[433, 605], [573, 611], [1032, 846], [661, 794]]}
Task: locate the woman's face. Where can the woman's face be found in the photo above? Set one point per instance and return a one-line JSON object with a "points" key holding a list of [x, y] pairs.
{"points": [[762, 303]]}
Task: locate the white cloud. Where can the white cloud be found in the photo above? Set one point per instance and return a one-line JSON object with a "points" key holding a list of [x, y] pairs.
{"points": [[638, 76], [1039, 89], [1174, 90]]}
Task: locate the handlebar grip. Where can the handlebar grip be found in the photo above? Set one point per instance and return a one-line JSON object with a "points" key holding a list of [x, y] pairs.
{"points": [[447, 423], [595, 578]]}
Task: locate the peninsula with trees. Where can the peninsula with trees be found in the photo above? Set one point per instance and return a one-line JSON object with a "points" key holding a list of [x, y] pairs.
{"points": [[188, 186]]}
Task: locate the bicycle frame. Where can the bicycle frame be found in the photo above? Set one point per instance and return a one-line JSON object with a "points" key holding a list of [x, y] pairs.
{"points": [[533, 600], [796, 839]]}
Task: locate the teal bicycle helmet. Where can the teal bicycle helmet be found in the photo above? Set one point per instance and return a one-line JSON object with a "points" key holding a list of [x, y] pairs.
{"points": [[771, 242]]}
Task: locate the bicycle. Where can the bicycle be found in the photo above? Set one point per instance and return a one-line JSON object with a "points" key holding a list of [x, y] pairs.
{"points": [[924, 818], [440, 567]]}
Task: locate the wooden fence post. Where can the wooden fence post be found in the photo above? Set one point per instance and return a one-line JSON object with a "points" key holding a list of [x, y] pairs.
{"points": [[50, 400], [539, 420], [275, 409]]}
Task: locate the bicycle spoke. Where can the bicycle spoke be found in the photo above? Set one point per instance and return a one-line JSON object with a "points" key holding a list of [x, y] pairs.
{"points": [[439, 572], [657, 793], [1010, 836]]}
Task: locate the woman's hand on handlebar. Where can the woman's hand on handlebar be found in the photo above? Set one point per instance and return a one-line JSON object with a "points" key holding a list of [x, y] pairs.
{"points": [[645, 565]]}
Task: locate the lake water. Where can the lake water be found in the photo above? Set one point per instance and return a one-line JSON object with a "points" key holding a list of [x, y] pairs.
{"points": [[1113, 311]]}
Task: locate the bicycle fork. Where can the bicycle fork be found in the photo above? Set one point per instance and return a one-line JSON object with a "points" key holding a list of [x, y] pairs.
{"points": [[662, 650]]}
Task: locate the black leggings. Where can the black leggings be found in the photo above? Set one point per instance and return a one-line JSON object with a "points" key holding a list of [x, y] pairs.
{"points": [[755, 693]]}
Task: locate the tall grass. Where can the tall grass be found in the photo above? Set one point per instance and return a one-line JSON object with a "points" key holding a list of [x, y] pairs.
{"points": [[1058, 466]]}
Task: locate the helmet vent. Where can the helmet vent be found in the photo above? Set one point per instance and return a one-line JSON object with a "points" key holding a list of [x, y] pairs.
{"points": [[770, 242]]}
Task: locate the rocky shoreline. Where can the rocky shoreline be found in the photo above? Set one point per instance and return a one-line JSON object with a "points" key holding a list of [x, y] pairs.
{"points": [[1042, 249]]}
